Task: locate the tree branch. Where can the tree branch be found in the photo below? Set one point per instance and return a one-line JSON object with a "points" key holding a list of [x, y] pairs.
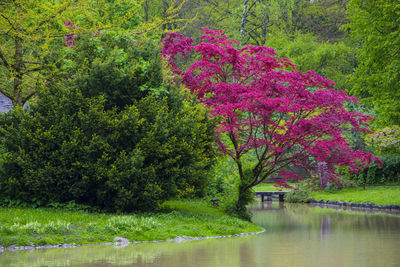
{"points": [[61, 10], [9, 22], [6, 94], [4, 60], [30, 62], [32, 70], [32, 93]]}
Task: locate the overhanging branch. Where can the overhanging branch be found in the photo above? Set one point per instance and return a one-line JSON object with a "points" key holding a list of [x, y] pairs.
{"points": [[4, 61], [61, 10]]}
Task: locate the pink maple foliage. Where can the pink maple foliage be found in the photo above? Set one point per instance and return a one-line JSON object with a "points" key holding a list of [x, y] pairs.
{"points": [[267, 109]]}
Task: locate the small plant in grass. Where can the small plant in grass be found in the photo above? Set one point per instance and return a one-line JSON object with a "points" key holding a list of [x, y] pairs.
{"points": [[348, 183]]}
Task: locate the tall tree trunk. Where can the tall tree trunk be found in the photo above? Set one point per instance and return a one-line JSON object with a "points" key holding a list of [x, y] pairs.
{"points": [[146, 11], [18, 68], [244, 18], [166, 26]]}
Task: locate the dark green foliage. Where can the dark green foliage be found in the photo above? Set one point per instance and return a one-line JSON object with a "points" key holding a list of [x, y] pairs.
{"points": [[375, 174], [68, 147], [323, 18]]}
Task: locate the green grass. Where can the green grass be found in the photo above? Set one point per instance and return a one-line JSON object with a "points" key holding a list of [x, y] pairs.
{"points": [[380, 195], [22, 226], [269, 187]]}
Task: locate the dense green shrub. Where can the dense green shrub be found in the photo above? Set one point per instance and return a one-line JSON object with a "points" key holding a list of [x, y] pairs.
{"points": [[69, 147], [375, 174], [348, 183], [298, 196], [301, 194]]}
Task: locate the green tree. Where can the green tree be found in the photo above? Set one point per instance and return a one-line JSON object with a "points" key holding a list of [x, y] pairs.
{"points": [[323, 18], [375, 24], [333, 61], [32, 36], [121, 68]]}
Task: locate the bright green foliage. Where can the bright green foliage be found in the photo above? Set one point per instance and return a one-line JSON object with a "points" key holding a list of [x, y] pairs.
{"points": [[253, 21], [377, 78], [301, 195], [69, 148], [223, 182], [120, 68], [32, 36], [333, 61], [260, 18], [30, 29], [385, 141], [380, 195]]}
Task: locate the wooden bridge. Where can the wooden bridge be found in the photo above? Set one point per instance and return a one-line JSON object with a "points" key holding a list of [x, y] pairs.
{"points": [[269, 194]]}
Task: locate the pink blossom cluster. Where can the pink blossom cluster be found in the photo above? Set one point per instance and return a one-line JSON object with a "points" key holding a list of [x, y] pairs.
{"points": [[69, 39], [266, 107]]}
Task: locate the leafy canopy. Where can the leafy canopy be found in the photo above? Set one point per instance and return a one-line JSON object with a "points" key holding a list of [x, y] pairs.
{"points": [[375, 24], [35, 36]]}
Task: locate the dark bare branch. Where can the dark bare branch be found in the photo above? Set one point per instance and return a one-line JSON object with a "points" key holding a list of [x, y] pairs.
{"points": [[8, 20], [30, 62]]}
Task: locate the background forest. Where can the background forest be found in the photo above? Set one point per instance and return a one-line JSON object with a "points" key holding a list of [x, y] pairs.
{"points": [[99, 61]]}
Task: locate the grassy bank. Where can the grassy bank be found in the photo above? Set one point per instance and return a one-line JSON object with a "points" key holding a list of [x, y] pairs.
{"points": [[380, 195], [269, 187], [21, 227]]}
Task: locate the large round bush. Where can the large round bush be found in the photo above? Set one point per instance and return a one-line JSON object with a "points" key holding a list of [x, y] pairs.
{"points": [[68, 147]]}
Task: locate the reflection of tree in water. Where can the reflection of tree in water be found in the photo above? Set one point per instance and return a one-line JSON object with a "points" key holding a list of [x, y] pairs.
{"points": [[270, 206], [325, 227], [298, 216]]}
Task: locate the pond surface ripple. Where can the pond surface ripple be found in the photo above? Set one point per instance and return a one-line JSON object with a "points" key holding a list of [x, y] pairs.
{"points": [[296, 235]]}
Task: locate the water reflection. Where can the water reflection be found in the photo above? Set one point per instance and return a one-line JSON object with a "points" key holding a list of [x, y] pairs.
{"points": [[296, 235], [325, 227]]}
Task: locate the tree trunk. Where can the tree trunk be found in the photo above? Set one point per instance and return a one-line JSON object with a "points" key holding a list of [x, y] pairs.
{"points": [[146, 11], [244, 18], [244, 198], [18, 68]]}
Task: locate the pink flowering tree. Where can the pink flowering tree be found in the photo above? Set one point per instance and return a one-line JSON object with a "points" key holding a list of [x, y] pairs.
{"points": [[267, 111]]}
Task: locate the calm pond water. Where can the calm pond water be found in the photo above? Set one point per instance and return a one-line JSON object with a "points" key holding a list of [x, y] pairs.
{"points": [[296, 235]]}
